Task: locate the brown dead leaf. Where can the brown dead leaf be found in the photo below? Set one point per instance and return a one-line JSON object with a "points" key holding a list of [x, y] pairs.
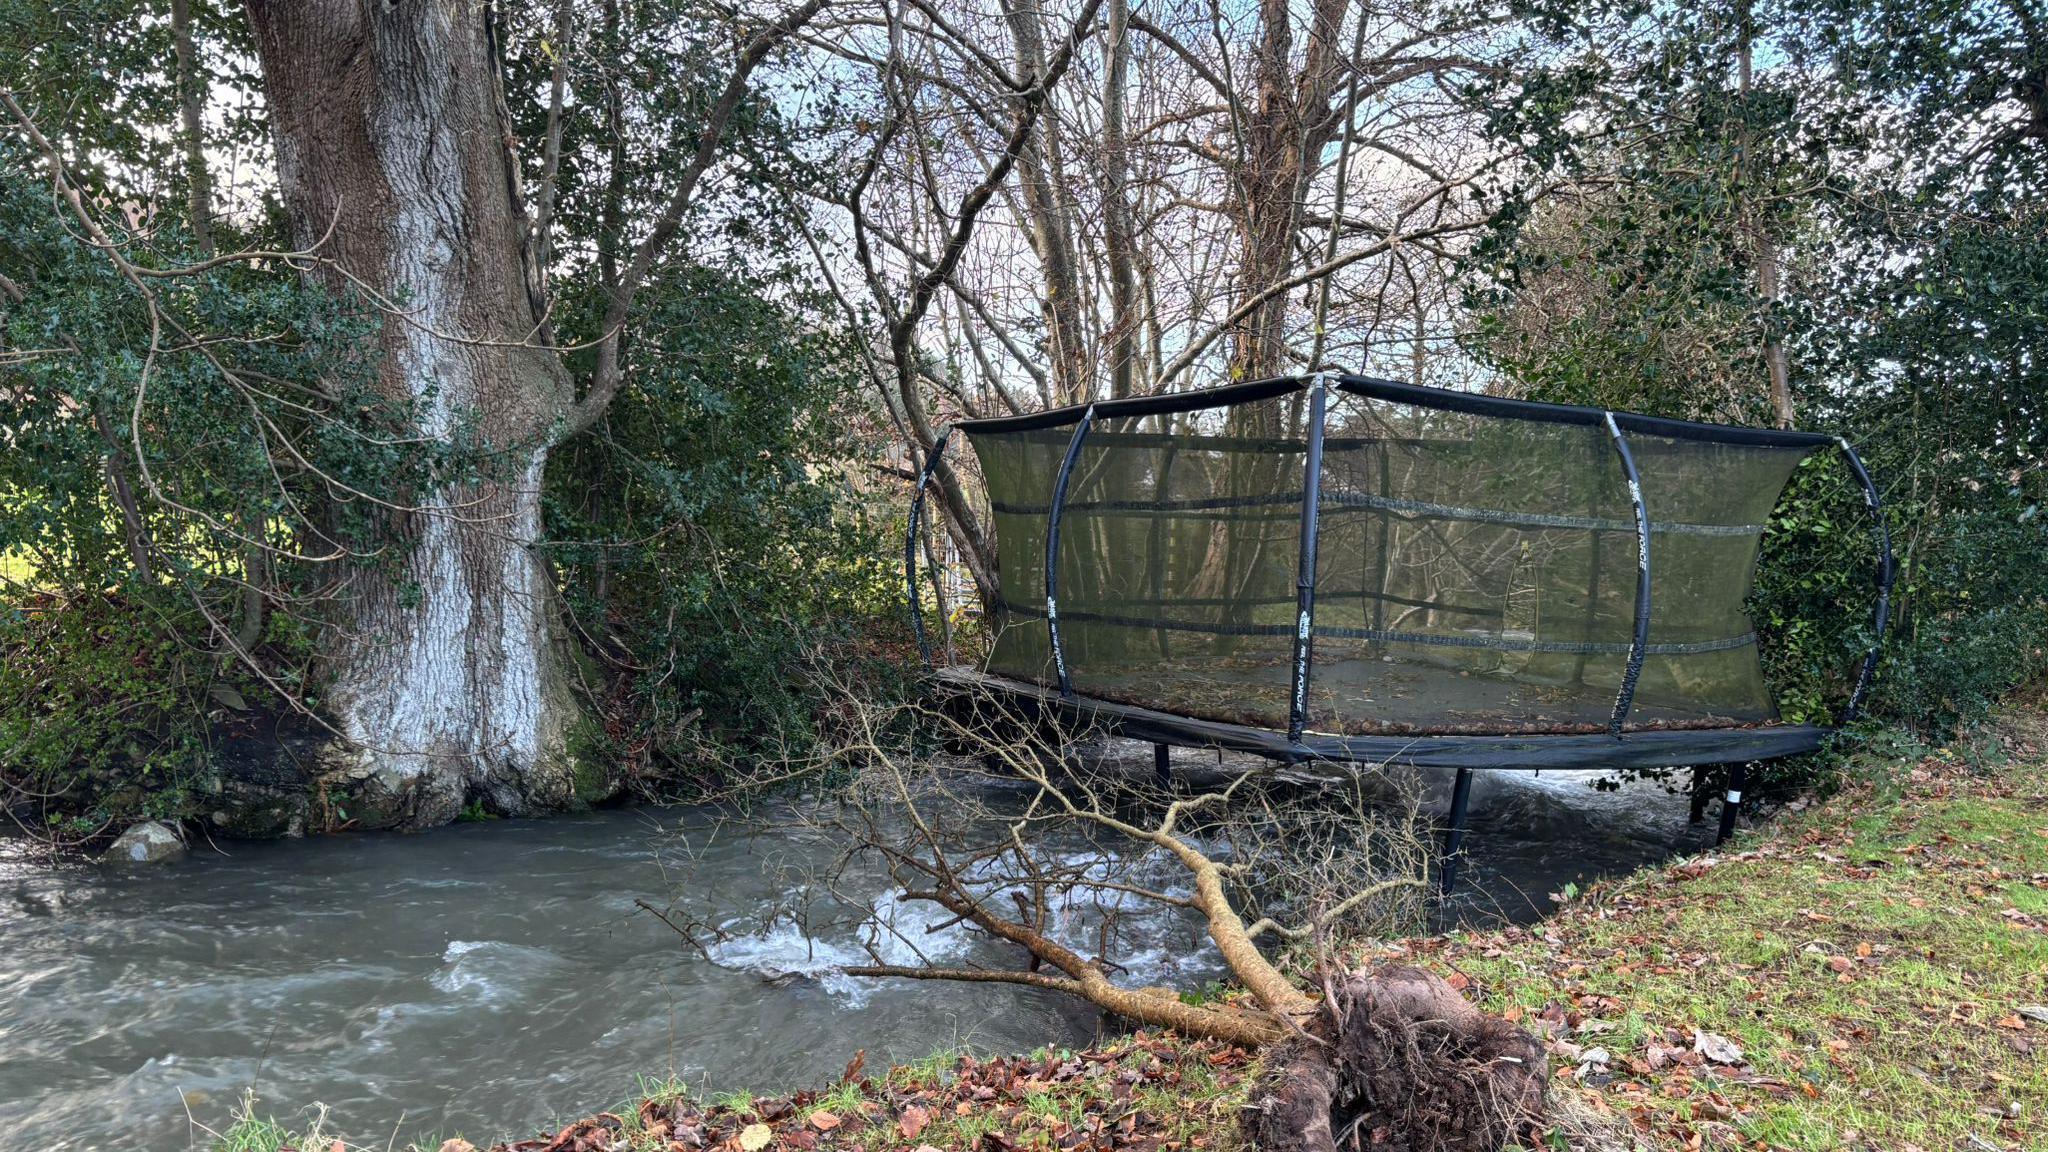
{"points": [[1716, 1047], [2014, 1023], [912, 1122], [825, 1121]]}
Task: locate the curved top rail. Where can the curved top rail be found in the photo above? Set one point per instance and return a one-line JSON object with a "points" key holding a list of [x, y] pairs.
{"points": [[1887, 570], [1165, 403], [1396, 392]]}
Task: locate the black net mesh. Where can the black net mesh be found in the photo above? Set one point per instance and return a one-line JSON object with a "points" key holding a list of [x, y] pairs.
{"points": [[1474, 573]]}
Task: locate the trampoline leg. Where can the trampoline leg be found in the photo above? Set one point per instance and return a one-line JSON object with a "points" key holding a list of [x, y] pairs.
{"points": [[1162, 768], [1454, 837], [1731, 804]]}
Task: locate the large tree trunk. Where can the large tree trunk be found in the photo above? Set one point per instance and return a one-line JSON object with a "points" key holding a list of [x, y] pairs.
{"points": [[445, 674]]}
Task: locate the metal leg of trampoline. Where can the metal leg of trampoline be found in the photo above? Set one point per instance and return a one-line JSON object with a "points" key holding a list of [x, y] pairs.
{"points": [[1162, 767], [1731, 804], [1454, 837]]}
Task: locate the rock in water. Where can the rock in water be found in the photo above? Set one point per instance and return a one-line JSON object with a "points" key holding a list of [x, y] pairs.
{"points": [[149, 842]]}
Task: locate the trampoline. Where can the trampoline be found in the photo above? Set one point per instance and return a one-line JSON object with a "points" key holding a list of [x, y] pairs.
{"points": [[1341, 568]]}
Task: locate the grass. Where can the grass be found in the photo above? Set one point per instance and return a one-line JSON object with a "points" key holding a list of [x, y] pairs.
{"points": [[1870, 956], [1149, 1091]]}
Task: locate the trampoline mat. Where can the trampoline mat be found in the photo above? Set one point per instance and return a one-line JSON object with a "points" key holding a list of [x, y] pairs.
{"points": [[1363, 696], [971, 690]]}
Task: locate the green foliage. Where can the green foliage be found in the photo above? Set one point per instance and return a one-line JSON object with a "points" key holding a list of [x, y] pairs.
{"points": [[1915, 279], [118, 613], [101, 712], [108, 714], [704, 535], [707, 534]]}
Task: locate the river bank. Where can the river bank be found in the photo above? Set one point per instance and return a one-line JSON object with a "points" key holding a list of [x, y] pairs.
{"points": [[1868, 973], [1863, 972]]}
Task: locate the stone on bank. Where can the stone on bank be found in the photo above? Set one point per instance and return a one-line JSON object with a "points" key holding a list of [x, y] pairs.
{"points": [[149, 842]]}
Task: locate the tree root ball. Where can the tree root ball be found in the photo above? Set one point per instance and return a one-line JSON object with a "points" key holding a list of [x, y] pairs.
{"points": [[1398, 1060]]}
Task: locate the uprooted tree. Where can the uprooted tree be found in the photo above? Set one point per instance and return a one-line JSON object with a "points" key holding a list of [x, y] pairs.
{"points": [[986, 813]]}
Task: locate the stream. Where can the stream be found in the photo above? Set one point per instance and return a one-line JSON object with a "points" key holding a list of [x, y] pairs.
{"points": [[488, 979]]}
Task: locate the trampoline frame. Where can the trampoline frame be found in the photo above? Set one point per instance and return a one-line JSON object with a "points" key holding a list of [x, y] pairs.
{"points": [[1618, 748]]}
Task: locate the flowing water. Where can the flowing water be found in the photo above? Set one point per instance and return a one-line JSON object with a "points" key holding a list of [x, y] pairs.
{"points": [[489, 978]]}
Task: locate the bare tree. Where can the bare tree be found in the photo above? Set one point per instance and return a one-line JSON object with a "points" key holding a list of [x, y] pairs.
{"points": [[1062, 862], [1174, 215]]}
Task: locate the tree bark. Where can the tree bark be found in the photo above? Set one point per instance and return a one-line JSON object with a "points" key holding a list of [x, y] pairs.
{"points": [[1776, 363], [1284, 140], [191, 87], [1040, 171], [1118, 233], [446, 677]]}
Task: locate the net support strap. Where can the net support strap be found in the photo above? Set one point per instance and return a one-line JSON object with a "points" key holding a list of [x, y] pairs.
{"points": [[1886, 571], [924, 480], [1052, 549], [1626, 698], [1305, 578]]}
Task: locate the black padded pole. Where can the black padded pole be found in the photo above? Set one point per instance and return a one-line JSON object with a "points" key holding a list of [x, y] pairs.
{"points": [[924, 480], [1731, 804], [1052, 549], [1626, 698], [1386, 524], [1305, 577], [1162, 765], [1886, 572], [1454, 836], [1157, 543]]}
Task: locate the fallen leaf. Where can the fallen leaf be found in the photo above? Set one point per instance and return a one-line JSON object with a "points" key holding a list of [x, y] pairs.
{"points": [[824, 1121], [458, 1144], [1716, 1047], [2013, 1022], [912, 1122], [755, 1137]]}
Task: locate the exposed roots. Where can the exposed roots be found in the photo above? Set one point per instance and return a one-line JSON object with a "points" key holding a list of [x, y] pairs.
{"points": [[1399, 1060]]}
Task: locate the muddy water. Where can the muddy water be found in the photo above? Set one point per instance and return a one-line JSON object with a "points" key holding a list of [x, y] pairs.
{"points": [[489, 978]]}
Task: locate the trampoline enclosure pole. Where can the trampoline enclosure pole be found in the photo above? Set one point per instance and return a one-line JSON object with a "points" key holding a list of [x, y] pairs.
{"points": [[1731, 804], [1885, 574], [1626, 698], [1305, 578], [924, 480], [1454, 837], [1052, 550]]}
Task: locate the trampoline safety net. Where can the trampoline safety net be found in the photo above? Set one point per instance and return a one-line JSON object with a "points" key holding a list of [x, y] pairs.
{"points": [[1473, 571]]}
